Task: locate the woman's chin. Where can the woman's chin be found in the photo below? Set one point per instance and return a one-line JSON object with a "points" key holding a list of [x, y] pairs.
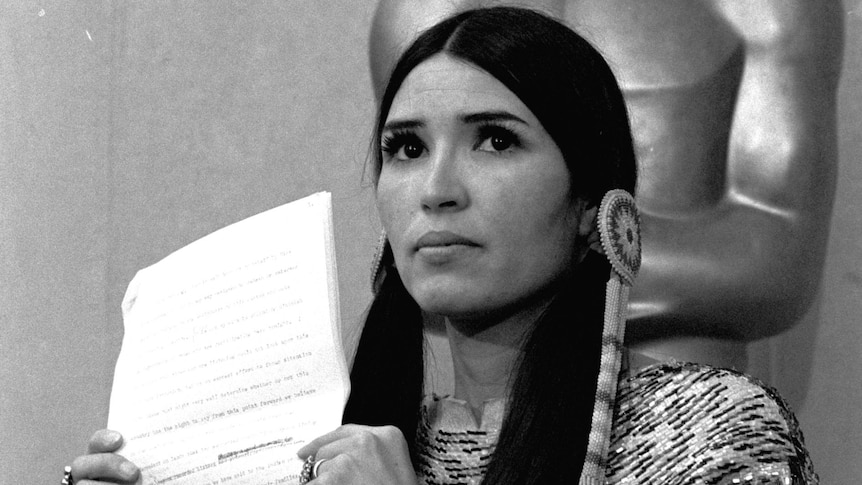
{"points": [[446, 301]]}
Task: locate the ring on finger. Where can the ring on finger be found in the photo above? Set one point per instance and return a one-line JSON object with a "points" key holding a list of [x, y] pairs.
{"points": [[316, 467], [67, 476]]}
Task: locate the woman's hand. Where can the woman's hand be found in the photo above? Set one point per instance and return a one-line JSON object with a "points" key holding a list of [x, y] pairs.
{"points": [[101, 465], [361, 455]]}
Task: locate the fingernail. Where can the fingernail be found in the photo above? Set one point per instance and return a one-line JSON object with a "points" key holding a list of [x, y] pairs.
{"points": [[112, 436], [129, 469]]}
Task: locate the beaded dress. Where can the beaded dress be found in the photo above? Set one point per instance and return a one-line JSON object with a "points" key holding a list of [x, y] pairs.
{"points": [[674, 423]]}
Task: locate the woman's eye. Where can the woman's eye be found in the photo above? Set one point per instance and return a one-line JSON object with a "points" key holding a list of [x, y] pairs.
{"points": [[496, 139], [497, 143], [402, 146], [411, 150]]}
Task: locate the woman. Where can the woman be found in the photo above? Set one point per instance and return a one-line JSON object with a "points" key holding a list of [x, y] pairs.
{"points": [[504, 159]]}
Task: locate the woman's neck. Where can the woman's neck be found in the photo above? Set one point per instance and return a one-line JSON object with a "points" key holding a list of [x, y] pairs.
{"points": [[484, 356]]}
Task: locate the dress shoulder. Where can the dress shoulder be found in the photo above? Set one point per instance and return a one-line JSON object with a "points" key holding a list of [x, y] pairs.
{"points": [[681, 423]]}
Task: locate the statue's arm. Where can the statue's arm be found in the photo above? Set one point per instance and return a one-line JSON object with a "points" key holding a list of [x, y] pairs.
{"points": [[751, 267]]}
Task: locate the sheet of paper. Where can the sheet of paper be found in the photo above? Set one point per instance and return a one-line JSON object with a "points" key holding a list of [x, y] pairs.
{"points": [[232, 357]]}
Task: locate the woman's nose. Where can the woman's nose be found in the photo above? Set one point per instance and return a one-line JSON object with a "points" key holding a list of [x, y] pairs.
{"points": [[444, 186]]}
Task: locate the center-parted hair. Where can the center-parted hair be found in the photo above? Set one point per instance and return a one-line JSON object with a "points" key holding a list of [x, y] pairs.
{"points": [[555, 72], [572, 91]]}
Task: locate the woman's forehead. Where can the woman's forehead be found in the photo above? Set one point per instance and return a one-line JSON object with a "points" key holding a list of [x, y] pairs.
{"points": [[443, 86]]}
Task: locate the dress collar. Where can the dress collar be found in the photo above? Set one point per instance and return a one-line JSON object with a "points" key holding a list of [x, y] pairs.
{"points": [[449, 413]]}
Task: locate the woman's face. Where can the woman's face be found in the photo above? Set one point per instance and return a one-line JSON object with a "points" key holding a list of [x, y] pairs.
{"points": [[473, 193]]}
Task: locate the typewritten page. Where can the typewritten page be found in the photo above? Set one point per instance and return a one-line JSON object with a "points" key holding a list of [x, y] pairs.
{"points": [[231, 358]]}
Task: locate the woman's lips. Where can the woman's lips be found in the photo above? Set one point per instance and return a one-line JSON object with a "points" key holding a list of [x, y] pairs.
{"points": [[438, 247], [442, 238]]}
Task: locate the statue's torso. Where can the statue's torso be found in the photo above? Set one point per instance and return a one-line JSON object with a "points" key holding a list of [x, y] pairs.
{"points": [[679, 66]]}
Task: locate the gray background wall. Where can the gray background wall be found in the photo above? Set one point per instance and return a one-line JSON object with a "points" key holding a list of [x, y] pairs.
{"points": [[128, 129]]}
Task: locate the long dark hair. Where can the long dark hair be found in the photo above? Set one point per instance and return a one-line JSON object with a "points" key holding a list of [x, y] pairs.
{"points": [[567, 84]]}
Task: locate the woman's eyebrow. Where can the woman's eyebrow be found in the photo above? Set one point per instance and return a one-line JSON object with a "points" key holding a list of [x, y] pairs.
{"points": [[488, 116], [470, 118], [396, 125]]}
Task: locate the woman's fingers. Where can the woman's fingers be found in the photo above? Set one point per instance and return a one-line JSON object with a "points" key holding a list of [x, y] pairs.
{"points": [[338, 433], [101, 482], [358, 455], [105, 467], [105, 441], [333, 470]]}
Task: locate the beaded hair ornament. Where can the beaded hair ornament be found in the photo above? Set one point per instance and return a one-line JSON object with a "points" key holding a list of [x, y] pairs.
{"points": [[619, 239]]}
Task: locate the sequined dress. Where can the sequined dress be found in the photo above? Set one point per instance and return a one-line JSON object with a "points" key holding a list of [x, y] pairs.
{"points": [[674, 423]]}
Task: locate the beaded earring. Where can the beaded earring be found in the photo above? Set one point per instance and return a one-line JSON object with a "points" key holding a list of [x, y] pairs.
{"points": [[618, 225]]}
